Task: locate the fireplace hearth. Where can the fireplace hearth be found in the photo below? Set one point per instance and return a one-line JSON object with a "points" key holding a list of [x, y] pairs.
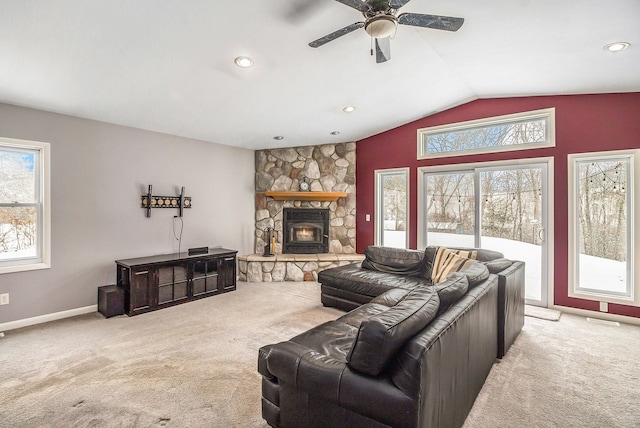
{"points": [[305, 230]]}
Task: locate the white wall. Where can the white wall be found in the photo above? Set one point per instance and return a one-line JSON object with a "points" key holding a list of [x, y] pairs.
{"points": [[98, 172]]}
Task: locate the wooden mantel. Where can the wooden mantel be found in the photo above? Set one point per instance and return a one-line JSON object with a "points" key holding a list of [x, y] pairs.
{"points": [[306, 196]]}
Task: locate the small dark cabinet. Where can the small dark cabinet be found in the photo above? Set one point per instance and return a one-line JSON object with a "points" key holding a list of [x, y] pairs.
{"points": [[155, 282]]}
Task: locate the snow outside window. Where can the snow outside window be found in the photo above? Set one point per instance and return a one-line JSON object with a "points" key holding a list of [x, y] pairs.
{"points": [[24, 214], [603, 205]]}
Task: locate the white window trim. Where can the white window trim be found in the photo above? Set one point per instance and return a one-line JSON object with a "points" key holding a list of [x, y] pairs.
{"points": [[45, 189], [633, 219], [378, 214], [548, 114]]}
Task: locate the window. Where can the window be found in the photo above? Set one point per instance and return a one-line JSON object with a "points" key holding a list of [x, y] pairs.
{"points": [[499, 205], [530, 130], [450, 208], [24, 210], [392, 208], [602, 206]]}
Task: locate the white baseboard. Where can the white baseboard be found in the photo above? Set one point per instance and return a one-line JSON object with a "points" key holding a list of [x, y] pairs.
{"points": [[595, 314], [12, 325]]}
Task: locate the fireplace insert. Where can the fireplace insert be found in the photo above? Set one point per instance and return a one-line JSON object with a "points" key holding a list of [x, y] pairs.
{"points": [[305, 230]]}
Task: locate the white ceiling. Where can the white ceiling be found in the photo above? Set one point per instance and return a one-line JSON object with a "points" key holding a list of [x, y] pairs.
{"points": [[167, 65]]}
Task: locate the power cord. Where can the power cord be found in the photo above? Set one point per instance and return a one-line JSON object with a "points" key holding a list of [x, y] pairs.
{"points": [[179, 237]]}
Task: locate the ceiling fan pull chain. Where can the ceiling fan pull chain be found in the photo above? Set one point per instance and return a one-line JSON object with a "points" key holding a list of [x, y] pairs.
{"points": [[371, 46]]}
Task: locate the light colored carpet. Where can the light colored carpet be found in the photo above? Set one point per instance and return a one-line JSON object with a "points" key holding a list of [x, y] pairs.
{"points": [[194, 365], [542, 313], [570, 373]]}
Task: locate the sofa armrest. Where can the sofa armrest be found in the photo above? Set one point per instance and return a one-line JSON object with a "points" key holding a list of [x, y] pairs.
{"points": [[306, 369], [325, 378], [510, 305]]}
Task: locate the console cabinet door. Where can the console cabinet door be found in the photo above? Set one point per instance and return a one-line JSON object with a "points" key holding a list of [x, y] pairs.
{"points": [[142, 290], [227, 273], [204, 274], [172, 283]]}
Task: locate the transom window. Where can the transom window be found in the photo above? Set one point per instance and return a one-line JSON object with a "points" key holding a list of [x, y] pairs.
{"points": [[24, 213], [530, 130]]}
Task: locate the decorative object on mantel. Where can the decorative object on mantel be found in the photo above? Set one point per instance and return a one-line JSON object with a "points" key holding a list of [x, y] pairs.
{"points": [[304, 184], [305, 196], [180, 202], [270, 239]]}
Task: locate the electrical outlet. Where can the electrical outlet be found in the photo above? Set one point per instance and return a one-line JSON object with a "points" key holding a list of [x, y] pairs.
{"points": [[367, 217], [604, 307], [4, 299]]}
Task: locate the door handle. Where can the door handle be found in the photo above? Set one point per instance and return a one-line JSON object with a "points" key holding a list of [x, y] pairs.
{"points": [[541, 234]]}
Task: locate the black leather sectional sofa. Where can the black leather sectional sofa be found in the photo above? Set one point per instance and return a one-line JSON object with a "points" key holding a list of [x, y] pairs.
{"points": [[408, 354]]}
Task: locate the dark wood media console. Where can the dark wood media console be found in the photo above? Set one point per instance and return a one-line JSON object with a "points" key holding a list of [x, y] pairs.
{"points": [[156, 282]]}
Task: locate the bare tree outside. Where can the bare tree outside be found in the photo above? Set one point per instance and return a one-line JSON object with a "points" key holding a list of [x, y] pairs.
{"points": [[395, 202], [18, 215], [514, 133], [393, 194], [602, 209], [510, 198]]}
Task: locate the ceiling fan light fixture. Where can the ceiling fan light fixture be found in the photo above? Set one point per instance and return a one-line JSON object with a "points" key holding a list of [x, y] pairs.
{"points": [[381, 26], [243, 61], [616, 46]]}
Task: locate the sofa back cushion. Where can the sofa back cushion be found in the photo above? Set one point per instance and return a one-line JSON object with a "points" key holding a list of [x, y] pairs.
{"points": [[393, 260], [451, 289], [498, 265], [383, 334]]}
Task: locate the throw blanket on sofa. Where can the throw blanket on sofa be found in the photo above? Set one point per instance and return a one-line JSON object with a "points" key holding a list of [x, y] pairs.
{"points": [[447, 261]]}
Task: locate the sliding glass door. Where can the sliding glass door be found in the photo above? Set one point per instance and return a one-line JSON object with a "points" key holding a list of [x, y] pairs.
{"points": [[503, 208]]}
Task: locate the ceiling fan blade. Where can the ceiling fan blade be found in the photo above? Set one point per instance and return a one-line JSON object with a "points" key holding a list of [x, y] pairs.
{"points": [[301, 9], [397, 4], [436, 22], [383, 50], [356, 4], [341, 32]]}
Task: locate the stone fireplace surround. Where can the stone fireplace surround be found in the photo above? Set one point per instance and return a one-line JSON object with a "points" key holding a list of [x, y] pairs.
{"points": [[328, 168]]}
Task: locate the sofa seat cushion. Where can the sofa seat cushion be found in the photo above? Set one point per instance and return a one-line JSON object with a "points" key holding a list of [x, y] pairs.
{"points": [[362, 313], [367, 282], [393, 260], [381, 336], [332, 339]]}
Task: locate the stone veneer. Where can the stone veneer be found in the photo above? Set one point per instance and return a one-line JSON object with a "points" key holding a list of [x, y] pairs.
{"points": [[329, 168], [290, 267]]}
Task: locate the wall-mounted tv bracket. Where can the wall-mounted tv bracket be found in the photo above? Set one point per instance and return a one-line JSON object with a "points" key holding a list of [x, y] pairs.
{"points": [[149, 201]]}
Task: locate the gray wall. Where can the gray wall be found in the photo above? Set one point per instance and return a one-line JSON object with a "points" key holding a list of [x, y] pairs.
{"points": [[98, 172]]}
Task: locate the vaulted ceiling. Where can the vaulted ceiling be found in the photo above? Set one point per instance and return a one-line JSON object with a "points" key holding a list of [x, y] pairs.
{"points": [[168, 65]]}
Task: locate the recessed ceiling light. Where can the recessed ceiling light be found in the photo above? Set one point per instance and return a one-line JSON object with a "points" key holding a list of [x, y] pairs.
{"points": [[616, 47], [278, 137], [348, 109], [334, 132], [243, 61]]}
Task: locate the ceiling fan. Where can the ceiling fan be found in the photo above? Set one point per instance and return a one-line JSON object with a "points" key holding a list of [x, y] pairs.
{"points": [[381, 22]]}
